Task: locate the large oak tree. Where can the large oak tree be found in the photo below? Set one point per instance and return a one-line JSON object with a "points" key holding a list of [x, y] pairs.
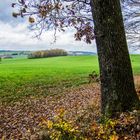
{"points": [[117, 84]]}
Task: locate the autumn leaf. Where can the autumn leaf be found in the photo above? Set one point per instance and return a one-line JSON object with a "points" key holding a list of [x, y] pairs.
{"points": [[3, 138], [114, 137], [31, 20], [15, 14]]}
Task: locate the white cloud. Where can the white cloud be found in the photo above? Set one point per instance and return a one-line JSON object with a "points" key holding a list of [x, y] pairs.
{"points": [[14, 35], [18, 37]]}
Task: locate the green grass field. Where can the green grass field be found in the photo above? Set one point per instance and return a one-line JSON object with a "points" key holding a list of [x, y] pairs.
{"points": [[22, 77]]}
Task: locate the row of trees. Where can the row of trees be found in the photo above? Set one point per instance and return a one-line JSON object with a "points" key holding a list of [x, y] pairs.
{"points": [[47, 53], [93, 19]]}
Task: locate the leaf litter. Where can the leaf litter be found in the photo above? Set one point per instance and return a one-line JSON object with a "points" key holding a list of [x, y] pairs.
{"points": [[21, 120]]}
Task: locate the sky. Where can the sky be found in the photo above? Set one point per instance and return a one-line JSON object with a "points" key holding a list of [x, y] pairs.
{"points": [[15, 35]]}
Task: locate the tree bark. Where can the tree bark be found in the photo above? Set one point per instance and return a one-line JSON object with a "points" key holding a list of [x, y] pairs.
{"points": [[117, 85]]}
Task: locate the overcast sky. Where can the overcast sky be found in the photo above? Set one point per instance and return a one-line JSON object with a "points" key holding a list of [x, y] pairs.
{"points": [[15, 35]]}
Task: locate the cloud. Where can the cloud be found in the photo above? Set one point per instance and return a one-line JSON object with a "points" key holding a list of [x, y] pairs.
{"points": [[6, 12], [18, 37], [14, 35]]}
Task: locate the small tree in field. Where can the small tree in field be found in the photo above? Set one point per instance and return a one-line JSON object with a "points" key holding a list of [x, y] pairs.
{"points": [[117, 84]]}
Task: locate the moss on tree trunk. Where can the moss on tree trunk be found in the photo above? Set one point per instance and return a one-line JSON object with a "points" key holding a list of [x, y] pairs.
{"points": [[117, 84]]}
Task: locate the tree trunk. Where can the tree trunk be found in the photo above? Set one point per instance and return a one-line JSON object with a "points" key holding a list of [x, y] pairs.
{"points": [[117, 85]]}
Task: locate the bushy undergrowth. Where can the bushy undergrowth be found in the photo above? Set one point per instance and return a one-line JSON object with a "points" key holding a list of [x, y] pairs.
{"points": [[47, 53], [124, 127]]}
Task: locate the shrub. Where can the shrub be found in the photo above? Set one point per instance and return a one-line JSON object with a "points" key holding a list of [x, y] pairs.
{"points": [[15, 53], [59, 129], [93, 77], [124, 126], [47, 53]]}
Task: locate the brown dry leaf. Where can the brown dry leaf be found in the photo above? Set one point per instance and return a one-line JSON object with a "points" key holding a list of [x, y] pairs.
{"points": [[31, 20]]}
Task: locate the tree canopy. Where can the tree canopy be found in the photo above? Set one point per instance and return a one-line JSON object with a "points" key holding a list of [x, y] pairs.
{"points": [[62, 14], [57, 15]]}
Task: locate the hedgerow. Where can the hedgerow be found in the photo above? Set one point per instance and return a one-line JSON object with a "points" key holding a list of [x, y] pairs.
{"points": [[47, 53]]}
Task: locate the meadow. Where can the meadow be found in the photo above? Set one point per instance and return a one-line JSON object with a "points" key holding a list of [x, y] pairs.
{"points": [[21, 77]]}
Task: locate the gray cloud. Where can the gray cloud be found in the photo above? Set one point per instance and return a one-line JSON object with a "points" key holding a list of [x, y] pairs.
{"points": [[6, 13]]}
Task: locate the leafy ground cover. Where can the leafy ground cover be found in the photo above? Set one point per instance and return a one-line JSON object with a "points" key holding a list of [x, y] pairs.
{"points": [[74, 114], [22, 119]]}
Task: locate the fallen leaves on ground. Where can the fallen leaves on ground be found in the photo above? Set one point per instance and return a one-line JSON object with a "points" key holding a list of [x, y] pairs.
{"points": [[22, 119]]}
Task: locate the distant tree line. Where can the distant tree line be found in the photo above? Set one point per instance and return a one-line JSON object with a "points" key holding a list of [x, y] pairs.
{"points": [[47, 53]]}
